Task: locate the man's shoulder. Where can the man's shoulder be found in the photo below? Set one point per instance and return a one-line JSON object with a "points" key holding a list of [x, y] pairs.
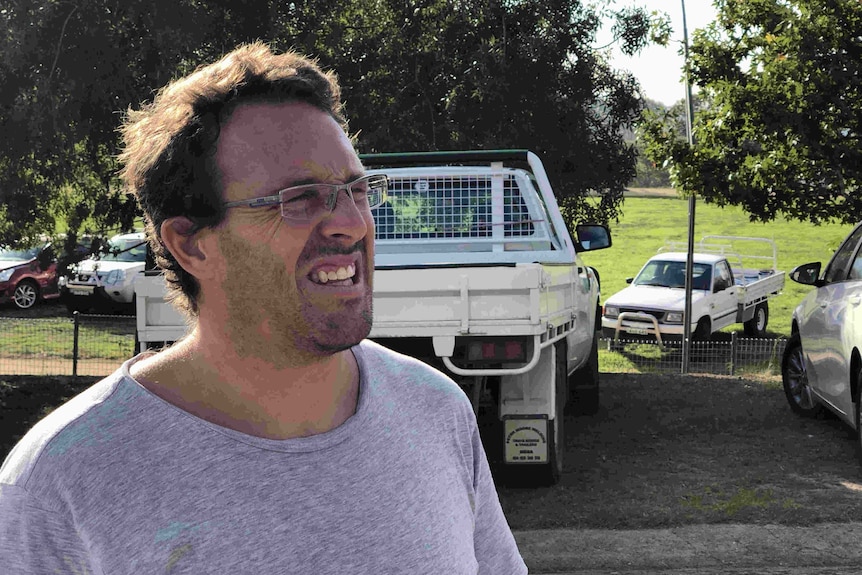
{"points": [[390, 366], [57, 431]]}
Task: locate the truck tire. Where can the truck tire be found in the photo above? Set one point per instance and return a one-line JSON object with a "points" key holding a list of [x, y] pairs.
{"points": [[756, 326], [557, 427], [702, 331], [584, 385]]}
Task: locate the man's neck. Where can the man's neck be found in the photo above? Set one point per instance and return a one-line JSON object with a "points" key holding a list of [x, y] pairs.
{"points": [[203, 376]]}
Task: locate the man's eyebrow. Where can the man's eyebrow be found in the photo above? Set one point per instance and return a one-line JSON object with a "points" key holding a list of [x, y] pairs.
{"points": [[352, 177]]}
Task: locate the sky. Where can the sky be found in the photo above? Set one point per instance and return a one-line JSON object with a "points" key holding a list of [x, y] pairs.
{"points": [[659, 70]]}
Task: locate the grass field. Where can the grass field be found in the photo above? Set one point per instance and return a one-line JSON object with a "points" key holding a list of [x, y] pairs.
{"points": [[650, 219]]}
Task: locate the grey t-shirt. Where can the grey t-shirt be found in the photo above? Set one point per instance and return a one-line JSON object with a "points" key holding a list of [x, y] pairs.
{"points": [[119, 481]]}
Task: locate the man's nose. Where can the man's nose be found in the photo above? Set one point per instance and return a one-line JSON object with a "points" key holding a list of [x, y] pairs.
{"points": [[345, 218]]}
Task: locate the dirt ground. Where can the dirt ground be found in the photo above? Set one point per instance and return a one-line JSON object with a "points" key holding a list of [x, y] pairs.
{"points": [[695, 475], [672, 450]]}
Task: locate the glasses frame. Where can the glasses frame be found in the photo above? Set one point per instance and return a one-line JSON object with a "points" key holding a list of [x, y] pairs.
{"points": [[330, 199]]}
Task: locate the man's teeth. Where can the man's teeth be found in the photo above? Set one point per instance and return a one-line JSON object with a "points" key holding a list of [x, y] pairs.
{"points": [[340, 274]]}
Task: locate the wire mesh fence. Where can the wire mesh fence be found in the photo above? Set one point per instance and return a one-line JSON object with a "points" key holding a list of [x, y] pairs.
{"points": [[97, 344], [80, 345], [732, 355]]}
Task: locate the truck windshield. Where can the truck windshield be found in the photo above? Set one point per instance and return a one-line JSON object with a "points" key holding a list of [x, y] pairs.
{"points": [[661, 273]]}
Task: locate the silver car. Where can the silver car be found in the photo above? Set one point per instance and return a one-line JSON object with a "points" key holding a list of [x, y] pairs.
{"points": [[822, 366]]}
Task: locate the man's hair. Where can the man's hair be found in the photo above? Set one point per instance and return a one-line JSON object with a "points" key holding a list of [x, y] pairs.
{"points": [[169, 144]]}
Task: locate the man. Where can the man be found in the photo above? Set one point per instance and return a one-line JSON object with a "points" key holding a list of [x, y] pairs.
{"points": [[273, 438]]}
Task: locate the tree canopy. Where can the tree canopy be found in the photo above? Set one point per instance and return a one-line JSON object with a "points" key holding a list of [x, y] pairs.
{"points": [[779, 128], [426, 75]]}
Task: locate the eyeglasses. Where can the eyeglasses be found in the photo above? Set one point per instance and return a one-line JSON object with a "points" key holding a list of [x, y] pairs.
{"points": [[308, 201]]}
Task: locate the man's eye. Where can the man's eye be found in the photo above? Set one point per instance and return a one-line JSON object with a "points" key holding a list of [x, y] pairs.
{"points": [[299, 195]]}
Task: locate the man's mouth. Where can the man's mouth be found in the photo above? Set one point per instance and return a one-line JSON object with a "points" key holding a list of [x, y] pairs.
{"points": [[341, 276]]}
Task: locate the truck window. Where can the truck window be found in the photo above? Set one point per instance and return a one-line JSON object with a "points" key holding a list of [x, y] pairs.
{"points": [[515, 211], [702, 277], [723, 276], [449, 207]]}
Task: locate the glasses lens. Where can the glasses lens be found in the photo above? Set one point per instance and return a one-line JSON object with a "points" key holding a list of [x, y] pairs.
{"points": [[376, 189], [304, 203], [300, 203]]}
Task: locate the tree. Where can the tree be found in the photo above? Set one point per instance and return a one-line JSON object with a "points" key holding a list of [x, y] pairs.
{"points": [[780, 129], [70, 68], [486, 74], [431, 74], [650, 175]]}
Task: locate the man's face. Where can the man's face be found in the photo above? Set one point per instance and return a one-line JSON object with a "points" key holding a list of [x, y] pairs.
{"points": [[270, 279]]}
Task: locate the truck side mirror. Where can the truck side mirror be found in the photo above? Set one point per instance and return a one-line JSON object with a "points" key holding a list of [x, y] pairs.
{"points": [[592, 237], [806, 274]]}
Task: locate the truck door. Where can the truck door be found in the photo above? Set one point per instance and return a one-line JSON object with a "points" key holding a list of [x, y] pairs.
{"points": [[582, 338], [725, 297]]}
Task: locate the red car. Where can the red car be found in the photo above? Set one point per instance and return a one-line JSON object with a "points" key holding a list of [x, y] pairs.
{"points": [[28, 275]]}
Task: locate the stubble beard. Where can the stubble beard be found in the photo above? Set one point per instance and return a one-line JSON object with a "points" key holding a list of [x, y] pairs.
{"points": [[269, 318]]}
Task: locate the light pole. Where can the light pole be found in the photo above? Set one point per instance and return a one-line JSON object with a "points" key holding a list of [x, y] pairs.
{"points": [[686, 338]]}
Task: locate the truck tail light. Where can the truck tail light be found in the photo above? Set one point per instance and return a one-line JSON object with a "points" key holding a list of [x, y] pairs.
{"points": [[496, 350]]}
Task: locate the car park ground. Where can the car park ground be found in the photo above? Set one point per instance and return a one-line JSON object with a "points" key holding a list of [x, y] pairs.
{"points": [[695, 474], [696, 549]]}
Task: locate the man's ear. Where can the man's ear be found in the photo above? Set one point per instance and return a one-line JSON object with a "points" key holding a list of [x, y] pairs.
{"points": [[189, 248]]}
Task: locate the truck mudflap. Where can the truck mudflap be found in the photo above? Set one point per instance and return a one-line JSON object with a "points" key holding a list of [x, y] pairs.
{"points": [[525, 439], [533, 426]]}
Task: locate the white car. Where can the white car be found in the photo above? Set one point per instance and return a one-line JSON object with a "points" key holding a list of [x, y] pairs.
{"points": [[822, 365], [106, 279]]}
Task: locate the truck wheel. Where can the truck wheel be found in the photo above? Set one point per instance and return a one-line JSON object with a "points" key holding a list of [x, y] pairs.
{"points": [[556, 428], [584, 385], [26, 294], [794, 376], [756, 326], [702, 331]]}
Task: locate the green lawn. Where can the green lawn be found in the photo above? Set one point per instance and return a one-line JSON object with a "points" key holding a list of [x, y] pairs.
{"points": [[648, 223], [54, 338]]}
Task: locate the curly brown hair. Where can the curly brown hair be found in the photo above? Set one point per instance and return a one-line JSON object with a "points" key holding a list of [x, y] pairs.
{"points": [[170, 143]]}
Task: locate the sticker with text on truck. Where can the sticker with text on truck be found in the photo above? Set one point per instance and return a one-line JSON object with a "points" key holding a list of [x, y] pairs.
{"points": [[526, 440]]}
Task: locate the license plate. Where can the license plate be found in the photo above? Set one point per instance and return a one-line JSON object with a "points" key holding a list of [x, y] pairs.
{"points": [[526, 440], [637, 330], [80, 291]]}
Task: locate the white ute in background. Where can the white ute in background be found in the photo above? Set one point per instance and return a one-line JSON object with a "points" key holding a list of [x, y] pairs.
{"points": [[731, 283], [476, 274]]}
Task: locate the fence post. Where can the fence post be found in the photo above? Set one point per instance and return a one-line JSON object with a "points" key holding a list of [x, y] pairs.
{"points": [[733, 343], [76, 319]]}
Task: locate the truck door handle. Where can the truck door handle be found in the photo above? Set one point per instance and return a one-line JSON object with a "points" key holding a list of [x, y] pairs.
{"points": [[854, 300]]}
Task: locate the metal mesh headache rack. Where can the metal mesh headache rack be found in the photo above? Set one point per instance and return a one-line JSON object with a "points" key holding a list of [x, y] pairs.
{"points": [[451, 206], [462, 202]]}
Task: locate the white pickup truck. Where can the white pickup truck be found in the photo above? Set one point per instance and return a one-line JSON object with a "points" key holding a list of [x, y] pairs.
{"points": [[477, 275], [732, 279]]}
